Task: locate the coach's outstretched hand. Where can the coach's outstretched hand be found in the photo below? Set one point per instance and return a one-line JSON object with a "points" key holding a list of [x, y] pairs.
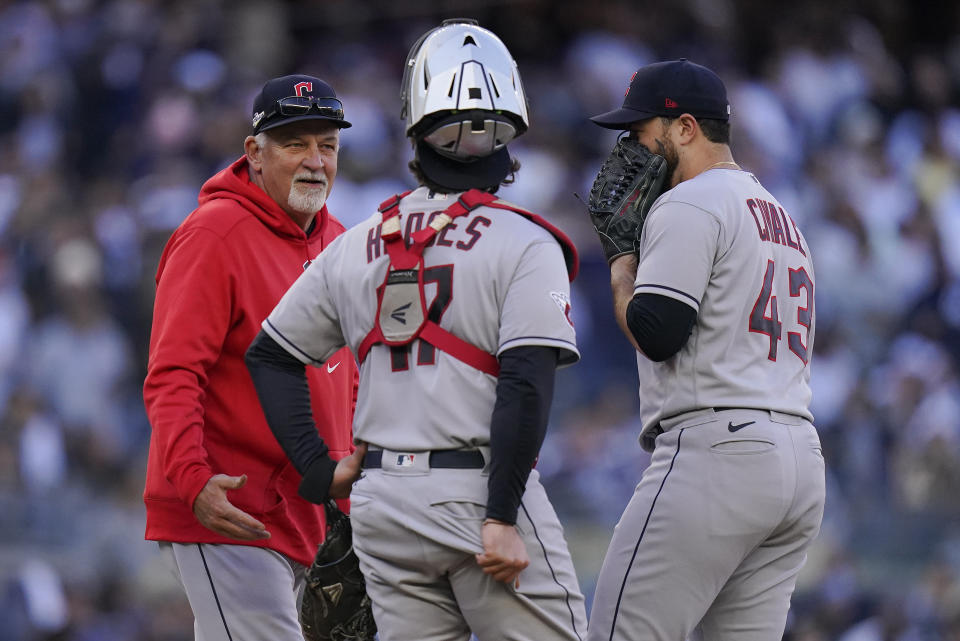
{"points": [[215, 511], [504, 554]]}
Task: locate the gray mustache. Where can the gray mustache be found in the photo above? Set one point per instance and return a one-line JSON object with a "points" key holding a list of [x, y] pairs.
{"points": [[321, 178]]}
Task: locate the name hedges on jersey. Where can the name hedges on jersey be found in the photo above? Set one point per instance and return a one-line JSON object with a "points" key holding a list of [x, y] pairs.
{"points": [[450, 236]]}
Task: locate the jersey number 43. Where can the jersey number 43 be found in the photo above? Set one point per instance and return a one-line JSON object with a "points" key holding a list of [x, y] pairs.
{"points": [[765, 317]]}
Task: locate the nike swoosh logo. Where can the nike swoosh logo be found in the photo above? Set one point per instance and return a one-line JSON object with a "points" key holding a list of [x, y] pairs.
{"points": [[734, 428], [330, 369]]}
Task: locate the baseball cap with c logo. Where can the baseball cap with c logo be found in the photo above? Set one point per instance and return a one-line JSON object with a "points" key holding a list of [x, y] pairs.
{"points": [[292, 98]]}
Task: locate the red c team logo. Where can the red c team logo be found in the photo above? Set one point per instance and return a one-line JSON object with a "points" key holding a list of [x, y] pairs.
{"points": [[670, 104], [300, 87]]}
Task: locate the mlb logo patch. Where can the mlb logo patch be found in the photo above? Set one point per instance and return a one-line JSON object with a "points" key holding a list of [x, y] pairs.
{"points": [[405, 460]]}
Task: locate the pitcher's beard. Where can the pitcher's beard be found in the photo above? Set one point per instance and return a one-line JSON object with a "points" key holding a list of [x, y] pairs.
{"points": [[307, 201]]}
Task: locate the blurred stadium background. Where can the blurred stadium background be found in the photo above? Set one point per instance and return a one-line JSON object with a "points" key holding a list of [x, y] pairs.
{"points": [[112, 114]]}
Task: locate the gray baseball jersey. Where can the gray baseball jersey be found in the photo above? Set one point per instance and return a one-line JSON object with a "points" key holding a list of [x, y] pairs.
{"points": [[722, 244], [496, 280], [718, 527]]}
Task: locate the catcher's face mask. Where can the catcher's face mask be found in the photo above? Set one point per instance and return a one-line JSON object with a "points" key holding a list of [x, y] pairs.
{"points": [[461, 92]]}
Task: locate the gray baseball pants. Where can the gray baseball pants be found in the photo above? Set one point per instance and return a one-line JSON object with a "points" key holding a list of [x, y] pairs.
{"points": [[416, 531], [716, 532], [238, 592]]}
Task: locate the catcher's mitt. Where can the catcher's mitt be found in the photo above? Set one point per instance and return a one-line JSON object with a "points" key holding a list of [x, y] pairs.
{"points": [[335, 604], [630, 179]]}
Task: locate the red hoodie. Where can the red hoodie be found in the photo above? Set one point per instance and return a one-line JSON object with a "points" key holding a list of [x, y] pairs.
{"points": [[221, 273]]}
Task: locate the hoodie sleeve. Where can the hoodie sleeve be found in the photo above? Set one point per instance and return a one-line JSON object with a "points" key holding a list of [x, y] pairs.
{"points": [[191, 317]]}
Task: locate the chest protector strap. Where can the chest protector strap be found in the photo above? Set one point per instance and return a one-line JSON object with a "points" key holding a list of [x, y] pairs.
{"points": [[401, 304]]}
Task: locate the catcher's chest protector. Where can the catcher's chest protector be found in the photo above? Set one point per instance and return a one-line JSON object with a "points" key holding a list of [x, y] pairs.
{"points": [[401, 303]]}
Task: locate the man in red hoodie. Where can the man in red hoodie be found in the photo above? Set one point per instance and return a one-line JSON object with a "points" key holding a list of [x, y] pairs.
{"points": [[236, 520]]}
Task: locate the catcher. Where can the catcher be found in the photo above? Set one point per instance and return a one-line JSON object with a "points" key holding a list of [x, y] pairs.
{"points": [[456, 304]]}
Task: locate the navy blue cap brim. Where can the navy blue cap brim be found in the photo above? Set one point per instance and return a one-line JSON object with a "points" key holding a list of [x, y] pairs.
{"points": [[343, 124], [482, 173], [621, 118]]}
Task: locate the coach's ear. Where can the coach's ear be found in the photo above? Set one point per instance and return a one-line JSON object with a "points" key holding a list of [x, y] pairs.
{"points": [[254, 153]]}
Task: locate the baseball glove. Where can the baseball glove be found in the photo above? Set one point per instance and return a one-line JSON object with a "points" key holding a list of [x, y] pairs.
{"points": [[335, 604], [630, 179]]}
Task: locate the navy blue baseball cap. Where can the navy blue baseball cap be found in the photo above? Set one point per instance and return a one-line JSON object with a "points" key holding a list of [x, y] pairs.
{"points": [[669, 88], [292, 98]]}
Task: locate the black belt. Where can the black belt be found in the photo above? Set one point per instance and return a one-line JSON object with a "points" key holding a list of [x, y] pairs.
{"points": [[449, 459]]}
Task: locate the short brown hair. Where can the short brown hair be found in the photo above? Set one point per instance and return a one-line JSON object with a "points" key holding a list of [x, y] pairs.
{"points": [[713, 130]]}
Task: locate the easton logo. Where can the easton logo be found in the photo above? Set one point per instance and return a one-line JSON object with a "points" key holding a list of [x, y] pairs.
{"points": [[300, 87], [400, 314]]}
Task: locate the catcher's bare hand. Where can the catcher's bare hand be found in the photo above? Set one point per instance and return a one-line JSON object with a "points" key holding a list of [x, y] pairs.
{"points": [[215, 511], [504, 554], [348, 470]]}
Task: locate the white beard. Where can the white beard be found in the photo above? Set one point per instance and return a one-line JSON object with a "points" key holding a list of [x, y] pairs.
{"points": [[306, 201]]}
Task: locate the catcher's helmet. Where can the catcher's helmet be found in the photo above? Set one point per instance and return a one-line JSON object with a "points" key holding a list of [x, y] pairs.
{"points": [[461, 92]]}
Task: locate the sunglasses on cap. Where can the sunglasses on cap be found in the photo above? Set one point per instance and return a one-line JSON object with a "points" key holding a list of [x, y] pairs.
{"points": [[301, 105], [292, 106]]}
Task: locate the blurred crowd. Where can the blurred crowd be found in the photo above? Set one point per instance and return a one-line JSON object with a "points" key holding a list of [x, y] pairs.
{"points": [[112, 114]]}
